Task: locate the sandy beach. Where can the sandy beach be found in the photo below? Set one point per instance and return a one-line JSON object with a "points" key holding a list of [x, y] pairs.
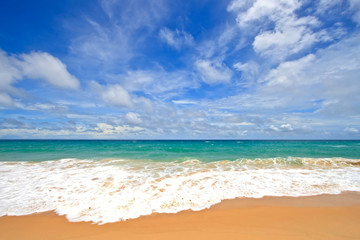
{"points": [[315, 217]]}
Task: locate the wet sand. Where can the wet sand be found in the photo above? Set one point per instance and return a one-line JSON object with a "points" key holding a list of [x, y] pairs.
{"points": [[317, 217]]}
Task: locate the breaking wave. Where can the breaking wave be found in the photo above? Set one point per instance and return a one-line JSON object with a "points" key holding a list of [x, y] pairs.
{"points": [[113, 190]]}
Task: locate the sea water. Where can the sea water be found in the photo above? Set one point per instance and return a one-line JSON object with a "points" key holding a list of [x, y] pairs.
{"points": [[107, 181]]}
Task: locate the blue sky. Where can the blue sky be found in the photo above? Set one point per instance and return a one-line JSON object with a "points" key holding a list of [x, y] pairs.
{"points": [[240, 69]]}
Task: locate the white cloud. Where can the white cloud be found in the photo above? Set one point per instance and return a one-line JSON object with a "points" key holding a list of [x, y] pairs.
{"points": [[325, 5], [286, 127], [272, 127], [288, 72], [113, 94], [97, 130], [274, 9], [107, 129], [5, 100], [184, 102], [41, 65], [355, 7], [237, 5], [176, 38], [8, 75], [144, 104], [283, 128], [117, 96], [249, 71], [157, 82], [35, 65], [283, 42], [327, 79], [34, 133], [8, 72], [314, 95], [278, 31], [244, 124], [133, 118], [351, 130], [213, 72]]}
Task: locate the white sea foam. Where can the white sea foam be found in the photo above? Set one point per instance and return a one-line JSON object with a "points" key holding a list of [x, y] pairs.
{"points": [[114, 190]]}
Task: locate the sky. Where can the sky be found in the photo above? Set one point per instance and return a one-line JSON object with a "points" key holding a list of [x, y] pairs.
{"points": [[162, 69]]}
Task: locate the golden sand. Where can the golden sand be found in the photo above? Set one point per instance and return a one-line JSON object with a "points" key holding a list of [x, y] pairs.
{"points": [[319, 217]]}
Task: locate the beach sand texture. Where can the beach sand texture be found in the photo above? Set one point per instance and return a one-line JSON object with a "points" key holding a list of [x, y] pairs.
{"points": [[316, 217]]}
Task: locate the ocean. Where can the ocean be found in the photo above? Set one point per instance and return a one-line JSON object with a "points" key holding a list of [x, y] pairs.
{"points": [[104, 181]]}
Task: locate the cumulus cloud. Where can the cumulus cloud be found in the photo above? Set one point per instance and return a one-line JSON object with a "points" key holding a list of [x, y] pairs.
{"points": [[285, 41], [176, 38], [115, 94], [279, 31], [35, 65], [273, 9], [41, 65], [213, 72], [133, 118]]}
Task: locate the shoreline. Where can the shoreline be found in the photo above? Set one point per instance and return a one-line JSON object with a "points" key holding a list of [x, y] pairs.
{"points": [[312, 217]]}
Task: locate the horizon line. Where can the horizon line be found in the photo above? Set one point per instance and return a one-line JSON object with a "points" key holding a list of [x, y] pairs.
{"points": [[174, 139]]}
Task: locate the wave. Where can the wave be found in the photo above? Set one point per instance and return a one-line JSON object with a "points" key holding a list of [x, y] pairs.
{"points": [[112, 190]]}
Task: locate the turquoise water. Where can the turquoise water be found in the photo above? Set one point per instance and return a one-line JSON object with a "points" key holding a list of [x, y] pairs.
{"points": [[176, 150]]}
